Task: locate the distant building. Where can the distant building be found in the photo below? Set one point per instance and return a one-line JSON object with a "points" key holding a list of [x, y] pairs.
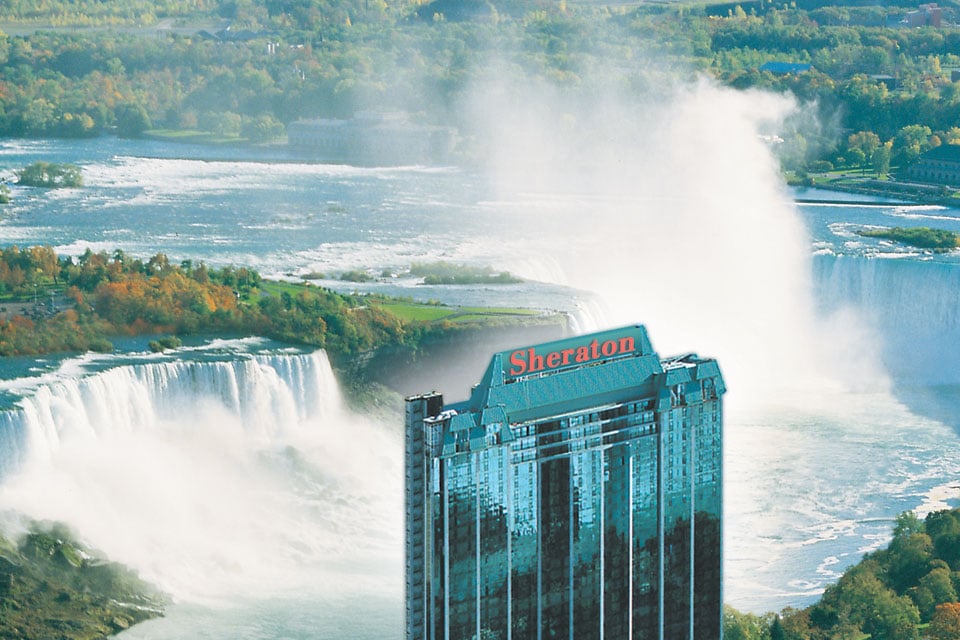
{"points": [[890, 82], [577, 494], [784, 68], [940, 165], [457, 11], [230, 35], [926, 15], [372, 138]]}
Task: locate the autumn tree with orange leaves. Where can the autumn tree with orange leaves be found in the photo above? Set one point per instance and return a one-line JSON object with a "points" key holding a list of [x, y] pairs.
{"points": [[103, 294], [945, 624]]}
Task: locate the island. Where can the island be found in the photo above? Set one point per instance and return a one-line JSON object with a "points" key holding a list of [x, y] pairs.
{"points": [[921, 237], [443, 272], [62, 304], [50, 175]]}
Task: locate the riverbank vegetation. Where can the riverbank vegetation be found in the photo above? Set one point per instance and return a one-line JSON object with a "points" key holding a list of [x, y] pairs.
{"points": [[50, 304], [907, 591], [881, 76], [443, 272], [920, 237], [50, 175]]}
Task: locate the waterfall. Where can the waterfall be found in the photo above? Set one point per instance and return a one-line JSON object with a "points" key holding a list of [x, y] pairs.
{"points": [[912, 307], [213, 475], [265, 396]]}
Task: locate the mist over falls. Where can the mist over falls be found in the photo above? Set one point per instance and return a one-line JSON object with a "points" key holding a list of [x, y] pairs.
{"points": [[216, 479], [912, 307], [673, 213]]}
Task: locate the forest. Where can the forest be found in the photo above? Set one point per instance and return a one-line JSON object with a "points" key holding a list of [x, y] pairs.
{"points": [[906, 591], [52, 304], [243, 69]]}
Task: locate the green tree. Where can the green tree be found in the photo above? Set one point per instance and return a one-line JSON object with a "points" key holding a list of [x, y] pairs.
{"points": [[776, 630], [796, 624], [743, 626], [860, 601], [940, 585], [262, 128], [952, 135], [223, 123], [941, 523], [882, 158], [50, 175], [910, 142], [865, 145], [857, 158], [132, 121], [907, 560], [950, 93]]}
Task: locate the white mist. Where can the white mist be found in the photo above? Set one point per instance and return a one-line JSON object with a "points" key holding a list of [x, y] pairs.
{"points": [[218, 481], [673, 212]]}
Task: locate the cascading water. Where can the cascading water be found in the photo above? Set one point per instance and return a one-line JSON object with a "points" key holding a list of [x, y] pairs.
{"points": [[675, 216], [266, 396], [220, 478], [692, 234], [912, 304]]}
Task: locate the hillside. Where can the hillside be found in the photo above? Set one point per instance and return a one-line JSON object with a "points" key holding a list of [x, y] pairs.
{"points": [[881, 74], [52, 587], [907, 591]]}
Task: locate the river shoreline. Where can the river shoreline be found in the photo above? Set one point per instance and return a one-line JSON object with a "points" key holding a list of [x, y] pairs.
{"points": [[890, 190], [910, 193]]}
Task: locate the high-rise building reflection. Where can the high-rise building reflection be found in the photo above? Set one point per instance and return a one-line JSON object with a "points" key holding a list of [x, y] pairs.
{"points": [[577, 494]]}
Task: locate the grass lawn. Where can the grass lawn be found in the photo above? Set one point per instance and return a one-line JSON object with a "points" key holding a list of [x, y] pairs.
{"points": [[410, 311], [414, 312], [192, 135]]}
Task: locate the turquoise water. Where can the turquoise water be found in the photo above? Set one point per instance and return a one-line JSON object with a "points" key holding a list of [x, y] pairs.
{"points": [[821, 452]]}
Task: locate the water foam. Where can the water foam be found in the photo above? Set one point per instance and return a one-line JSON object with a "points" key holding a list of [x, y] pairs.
{"points": [[911, 307], [214, 479]]}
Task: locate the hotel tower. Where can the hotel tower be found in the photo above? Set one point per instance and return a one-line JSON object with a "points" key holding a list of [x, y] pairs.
{"points": [[575, 495]]}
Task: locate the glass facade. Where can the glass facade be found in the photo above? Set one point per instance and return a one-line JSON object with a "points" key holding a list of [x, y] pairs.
{"points": [[576, 495]]}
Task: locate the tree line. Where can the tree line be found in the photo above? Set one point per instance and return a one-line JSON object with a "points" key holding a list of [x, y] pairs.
{"points": [[907, 591], [99, 295], [888, 88]]}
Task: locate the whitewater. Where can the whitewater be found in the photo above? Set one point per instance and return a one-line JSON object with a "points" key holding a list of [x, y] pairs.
{"points": [[232, 474]]}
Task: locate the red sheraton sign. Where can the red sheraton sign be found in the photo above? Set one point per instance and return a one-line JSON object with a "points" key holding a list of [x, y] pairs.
{"points": [[529, 360]]}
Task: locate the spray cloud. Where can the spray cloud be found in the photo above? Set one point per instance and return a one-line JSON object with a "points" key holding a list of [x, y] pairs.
{"points": [[669, 205], [215, 480]]}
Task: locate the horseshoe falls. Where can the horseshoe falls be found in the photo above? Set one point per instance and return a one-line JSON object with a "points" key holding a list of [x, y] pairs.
{"points": [[233, 479], [819, 473], [914, 305]]}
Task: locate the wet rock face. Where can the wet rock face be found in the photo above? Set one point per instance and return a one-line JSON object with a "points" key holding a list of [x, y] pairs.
{"points": [[51, 587]]}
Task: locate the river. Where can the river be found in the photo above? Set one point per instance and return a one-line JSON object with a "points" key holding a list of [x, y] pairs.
{"points": [[230, 474]]}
